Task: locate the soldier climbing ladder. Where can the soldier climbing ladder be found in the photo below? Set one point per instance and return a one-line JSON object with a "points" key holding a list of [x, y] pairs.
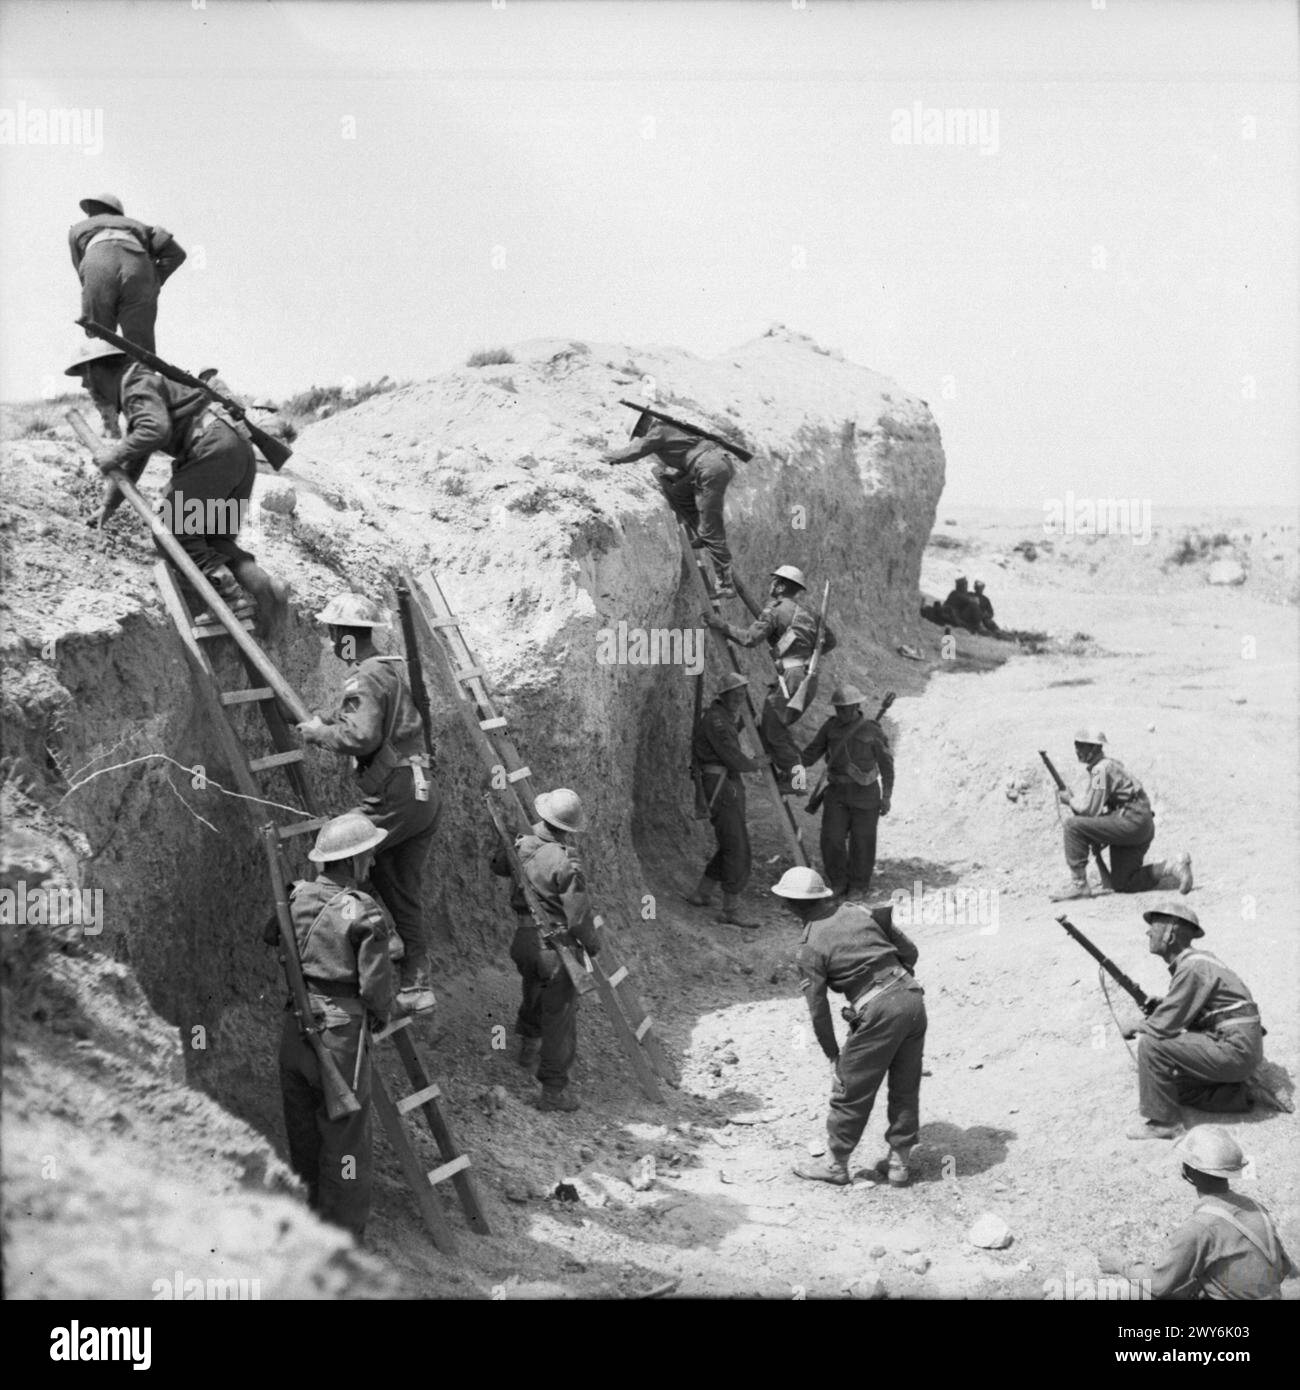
{"points": [[510, 779], [274, 691], [784, 815]]}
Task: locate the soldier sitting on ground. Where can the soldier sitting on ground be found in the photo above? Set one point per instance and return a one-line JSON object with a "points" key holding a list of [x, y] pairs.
{"points": [[1229, 1248]]}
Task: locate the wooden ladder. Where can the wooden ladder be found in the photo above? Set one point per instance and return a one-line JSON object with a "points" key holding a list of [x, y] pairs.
{"points": [[511, 780], [197, 640], [696, 565]]}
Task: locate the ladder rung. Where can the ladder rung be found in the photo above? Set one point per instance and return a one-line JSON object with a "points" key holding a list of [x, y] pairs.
{"points": [[619, 975], [430, 1092], [294, 755], [395, 1026], [519, 774], [470, 673], [449, 621], [497, 722], [245, 697], [449, 1170], [302, 827], [216, 630], [643, 1027]]}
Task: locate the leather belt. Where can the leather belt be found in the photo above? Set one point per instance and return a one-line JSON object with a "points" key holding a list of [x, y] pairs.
{"points": [[332, 989], [1228, 1022], [114, 234], [878, 985]]}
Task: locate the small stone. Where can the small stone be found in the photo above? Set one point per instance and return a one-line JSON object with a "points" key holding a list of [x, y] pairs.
{"points": [[817, 1147], [729, 1058], [999, 1187], [917, 1263], [715, 1068], [990, 1232], [1151, 728], [1110, 1261], [877, 1252], [517, 1192], [586, 1152], [974, 1066], [279, 498], [909, 1244], [1226, 572], [499, 1097], [867, 1286], [1013, 1110]]}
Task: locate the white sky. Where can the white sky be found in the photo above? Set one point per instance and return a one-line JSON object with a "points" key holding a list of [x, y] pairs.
{"points": [[687, 173]]}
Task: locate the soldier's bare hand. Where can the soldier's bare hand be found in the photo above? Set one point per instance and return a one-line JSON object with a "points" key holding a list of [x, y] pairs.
{"points": [[310, 728]]}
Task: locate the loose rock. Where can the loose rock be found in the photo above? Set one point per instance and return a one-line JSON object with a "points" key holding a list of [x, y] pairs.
{"points": [[642, 1175], [917, 1263], [867, 1286], [990, 1232], [279, 498]]}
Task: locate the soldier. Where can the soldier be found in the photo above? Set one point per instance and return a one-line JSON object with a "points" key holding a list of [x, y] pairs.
{"points": [[1203, 1042], [1114, 812], [547, 1023], [213, 467], [122, 265], [986, 608], [859, 953], [860, 784], [790, 629], [961, 608], [343, 937], [716, 750], [377, 724], [1229, 1248], [693, 474]]}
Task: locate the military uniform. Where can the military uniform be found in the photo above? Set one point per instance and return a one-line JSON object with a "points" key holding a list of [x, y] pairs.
{"points": [[961, 608], [122, 264], [1201, 1043], [859, 953], [693, 474], [548, 1007], [377, 724], [860, 779], [213, 466], [1117, 814], [790, 629], [342, 937], [986, 611], [716, 750], [1229, 1249]]}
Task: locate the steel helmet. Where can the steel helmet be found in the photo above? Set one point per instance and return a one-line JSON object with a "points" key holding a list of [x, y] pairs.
{"points": [[351, 610], [345, 835], [801, 884], [845, 695], [103, 200], [562, 809], [791, 572], [1090, 733], [979, 584], [90, 351], [732, 681], [1171, 907], [1211, 1149]]}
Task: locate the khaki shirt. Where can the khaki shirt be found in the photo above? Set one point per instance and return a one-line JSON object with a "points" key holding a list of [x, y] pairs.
{"points": [[1209, 1257]]}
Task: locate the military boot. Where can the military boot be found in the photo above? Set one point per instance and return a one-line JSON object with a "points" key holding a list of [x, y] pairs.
{"points": [[1153, 1129], [722, 579], [829, 1169], [562, 1100], [893, 1168], [530, 1053], [1076, 888], [732, 912], [1183, 870], [228, 590], [416, 994], [702, 895]]}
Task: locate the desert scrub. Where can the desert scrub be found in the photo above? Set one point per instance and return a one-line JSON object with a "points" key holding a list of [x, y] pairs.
{"points": [[490, 357], [320, 402]]}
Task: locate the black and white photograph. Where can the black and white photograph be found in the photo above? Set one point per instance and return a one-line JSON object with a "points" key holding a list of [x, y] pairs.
{"points": [[650, 654]]}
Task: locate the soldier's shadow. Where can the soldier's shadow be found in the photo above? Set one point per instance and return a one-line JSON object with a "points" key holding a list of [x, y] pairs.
{"points": [[947, 1151]]}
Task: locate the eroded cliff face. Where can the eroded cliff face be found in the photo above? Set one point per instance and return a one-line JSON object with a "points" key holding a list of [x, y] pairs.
{"points": [[492, 477]]}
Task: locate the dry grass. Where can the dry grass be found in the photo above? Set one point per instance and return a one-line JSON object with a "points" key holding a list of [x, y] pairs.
{"points": [[490, 357]]}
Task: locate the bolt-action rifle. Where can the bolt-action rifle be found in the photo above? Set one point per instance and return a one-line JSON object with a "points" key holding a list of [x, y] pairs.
{"points": [[818, 794], [1060, 787], [414, 671], [339, 1097], [808, 686], [275, 451], [581, 979], [1144, 1001], [742, 454]]}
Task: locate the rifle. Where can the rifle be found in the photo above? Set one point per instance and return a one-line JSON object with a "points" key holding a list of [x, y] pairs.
{"points": [[414, 671], [581, 979], [274, 451], [818, 795], [339, 1097], [1060, 787], [697, 772], [799, 700], [742, 454], [1142, 1000]]}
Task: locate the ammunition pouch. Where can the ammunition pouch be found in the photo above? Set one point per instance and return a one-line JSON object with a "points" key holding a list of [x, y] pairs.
{"points": [[378, 769]]}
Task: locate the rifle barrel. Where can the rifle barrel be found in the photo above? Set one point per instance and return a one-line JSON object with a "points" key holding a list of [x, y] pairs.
{"points": [[1139, 996]]}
